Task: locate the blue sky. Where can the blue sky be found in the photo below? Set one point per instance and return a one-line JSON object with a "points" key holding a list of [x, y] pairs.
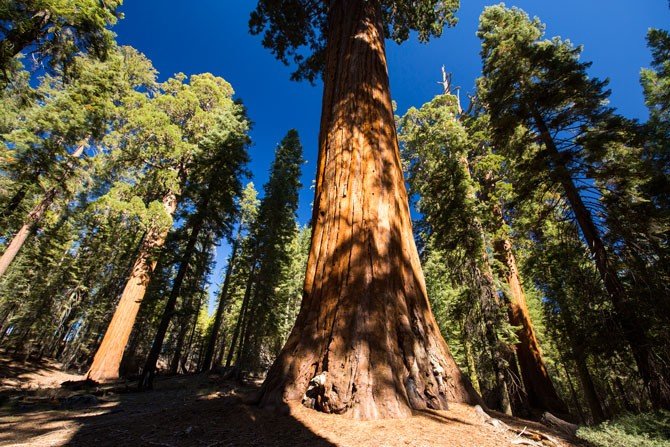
{"points": [[212, 36]]}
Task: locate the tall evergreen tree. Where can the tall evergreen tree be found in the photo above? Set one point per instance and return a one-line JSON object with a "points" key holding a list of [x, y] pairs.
{"points": [[271, 234], [365, 294], [542, 86], [166, 133]]}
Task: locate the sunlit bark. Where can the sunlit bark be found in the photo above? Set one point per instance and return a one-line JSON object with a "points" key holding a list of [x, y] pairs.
{"points": [[365, 335]]}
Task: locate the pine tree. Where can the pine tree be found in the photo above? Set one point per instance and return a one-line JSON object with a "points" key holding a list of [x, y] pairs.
{"points": [[542, 86], [49, 149], [365, 294], [56, 30], [219, 170], [165, 133], [271, 234], [247, 215]]}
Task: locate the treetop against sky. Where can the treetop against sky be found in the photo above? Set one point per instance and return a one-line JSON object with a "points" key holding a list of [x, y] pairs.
{"points": [[213, 36]]}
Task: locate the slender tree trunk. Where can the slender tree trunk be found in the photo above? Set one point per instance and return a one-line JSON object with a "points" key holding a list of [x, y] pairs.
{"points": [[241, 318], [651, 372], [579, 357], [179, 346], [107, 359], [365, 326], [20, 237], [539, 387], [243, 361], [147, 377], [573, 392], [223, 297]]}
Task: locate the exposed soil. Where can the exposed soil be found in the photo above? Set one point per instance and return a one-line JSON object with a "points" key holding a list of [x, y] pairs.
{"points": [[206, 411]]}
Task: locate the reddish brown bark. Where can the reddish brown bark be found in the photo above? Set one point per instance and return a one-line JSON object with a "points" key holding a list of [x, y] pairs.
{"points": [[20, 237], [105, 366], [537, 383], [365, 331]]}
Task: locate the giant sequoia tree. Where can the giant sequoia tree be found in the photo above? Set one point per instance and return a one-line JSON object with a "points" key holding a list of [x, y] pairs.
{"points": [[365, 342]]}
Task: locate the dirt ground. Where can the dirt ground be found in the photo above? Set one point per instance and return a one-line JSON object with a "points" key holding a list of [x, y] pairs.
{"points": [[207, 411]]}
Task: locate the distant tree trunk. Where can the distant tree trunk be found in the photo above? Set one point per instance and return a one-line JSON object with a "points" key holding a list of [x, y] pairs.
{"points": [[365, 326], [20, 237], [579, 356], [244, 351], [107, 359], [223, 297], [241, 318], [470, 361], [490, 305], [652, 373], [539, 387], [179, 346], [573, 392], [149, 370]]}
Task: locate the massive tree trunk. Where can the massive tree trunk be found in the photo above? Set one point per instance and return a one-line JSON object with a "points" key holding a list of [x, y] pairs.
{"points": [[107, 359], [223, 298], [20, 237], [539, 387], [365, 331], [653, 373]]}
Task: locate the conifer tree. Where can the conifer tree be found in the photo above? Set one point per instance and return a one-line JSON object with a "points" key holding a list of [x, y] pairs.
{"points": [[166, 133], [213, 192], [365, 294], [56, 30], [247, 215], [48, 151], [271, 233], [542, 86], [457, 178]]}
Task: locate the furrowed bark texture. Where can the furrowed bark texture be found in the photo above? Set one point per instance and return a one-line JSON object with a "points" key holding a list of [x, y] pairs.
{"points": [[365, 336], [539, 387], [105, 366]]}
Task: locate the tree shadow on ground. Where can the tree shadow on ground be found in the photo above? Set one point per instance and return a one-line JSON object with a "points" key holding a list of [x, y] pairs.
{"points": [[194, 411]]}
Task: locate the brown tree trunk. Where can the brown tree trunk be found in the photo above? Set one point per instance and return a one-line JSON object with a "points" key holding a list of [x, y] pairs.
{"points": [[20, 237], [149, 370], [365, 327], [241, 318], [146, 379], [223, 297], [653, 374], [107, 359], [539, 387]]}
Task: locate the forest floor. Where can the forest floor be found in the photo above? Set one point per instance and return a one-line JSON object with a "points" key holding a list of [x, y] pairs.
{"points": [[205, 411]]}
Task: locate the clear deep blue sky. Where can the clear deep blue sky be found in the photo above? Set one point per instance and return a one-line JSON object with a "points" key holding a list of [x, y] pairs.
{"points": [[212, 36]]}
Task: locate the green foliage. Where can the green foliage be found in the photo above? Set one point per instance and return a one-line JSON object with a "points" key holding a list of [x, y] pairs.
{"points": [[297, 30], [56, 30], [640, 430]]}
